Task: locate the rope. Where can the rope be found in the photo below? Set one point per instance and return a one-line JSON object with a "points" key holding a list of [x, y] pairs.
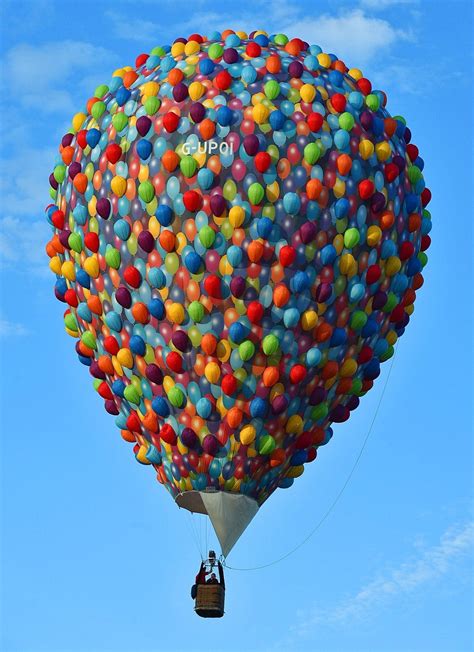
{"points": [[192, 531], [341, 491]]}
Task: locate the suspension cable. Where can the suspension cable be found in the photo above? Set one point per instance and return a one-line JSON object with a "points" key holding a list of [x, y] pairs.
{"points": [[338, 495]]}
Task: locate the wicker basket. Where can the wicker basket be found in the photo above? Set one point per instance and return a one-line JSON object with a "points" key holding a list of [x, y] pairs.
{"points": [[210, 601]]}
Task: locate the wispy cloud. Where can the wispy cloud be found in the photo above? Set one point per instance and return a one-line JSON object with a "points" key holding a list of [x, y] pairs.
{"points": [[134, 29], [47, 77], [10, 328], [24, 180], [429, 565], [22, 243], [380, 5], [352, 35]]}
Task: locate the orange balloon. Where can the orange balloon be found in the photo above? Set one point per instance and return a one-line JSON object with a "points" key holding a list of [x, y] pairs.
{"points": [[140, 313], [94, 304], [207, 128], [314, 188], [80, 182], [167, 240], [273, 64], [130, 77], [170, 160], [209, 343], [175, 76]]}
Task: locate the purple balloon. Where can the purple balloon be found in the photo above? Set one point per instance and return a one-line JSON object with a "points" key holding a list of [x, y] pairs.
{"points": [[210, 445], [180, 340], [154, 374], [123, 296], [197, 112], [146, 241], [143, 125], [189, 438], [103, 208]]}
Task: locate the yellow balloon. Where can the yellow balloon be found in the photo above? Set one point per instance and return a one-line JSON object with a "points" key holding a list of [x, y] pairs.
{"points": [[294, 425], [247, 435], [55, 265], [309, 319], [119, 186], [91, 266], [212, 372], [307, 93], [348, 369], [324, 60], [125, 358], [374, 234], [236, 216], [366, 149], [260, 113]]}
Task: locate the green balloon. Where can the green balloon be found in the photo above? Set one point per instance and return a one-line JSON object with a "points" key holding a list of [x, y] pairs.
{"points": [[256, 193], [176, 397], [89, 340], [272, 89], [59, 173], [152, 105], [356, 386], [388, 354], [113, 257], [75, 242], [266, 445], [372, 102], [311, 153], [281, 39], [414, 174], [346, 121], [319, 412], [215, 51], [101, 90], [392, 301], [98, 109], [423, 258], [341, 225], [146, 191], [246, 350], [196, 311], [340, 285], [229, 190], [131, 394], [207, 236], [70, 322], [158, 51], [188, 166], [120, 121], [270, 344], [351, 238], [358, 320]]}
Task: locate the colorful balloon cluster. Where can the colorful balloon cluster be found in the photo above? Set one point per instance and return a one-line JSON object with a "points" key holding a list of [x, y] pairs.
{"points": [[239, 233]]}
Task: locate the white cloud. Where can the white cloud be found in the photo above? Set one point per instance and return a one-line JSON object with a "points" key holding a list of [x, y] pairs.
{"points": [[24, 183], [48, 77], [22, 244], [380, 5], [134, 29], [10, 328], [431, 564], [354, 36]]}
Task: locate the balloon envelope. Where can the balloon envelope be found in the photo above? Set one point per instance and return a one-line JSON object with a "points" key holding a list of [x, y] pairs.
{"points": [[239, 228]]}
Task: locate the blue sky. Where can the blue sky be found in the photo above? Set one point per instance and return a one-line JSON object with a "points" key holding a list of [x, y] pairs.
{"points": [[95, 555]]}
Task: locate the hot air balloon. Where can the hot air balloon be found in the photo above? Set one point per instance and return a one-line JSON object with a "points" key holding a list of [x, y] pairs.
{"points": [[239, 232]]}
